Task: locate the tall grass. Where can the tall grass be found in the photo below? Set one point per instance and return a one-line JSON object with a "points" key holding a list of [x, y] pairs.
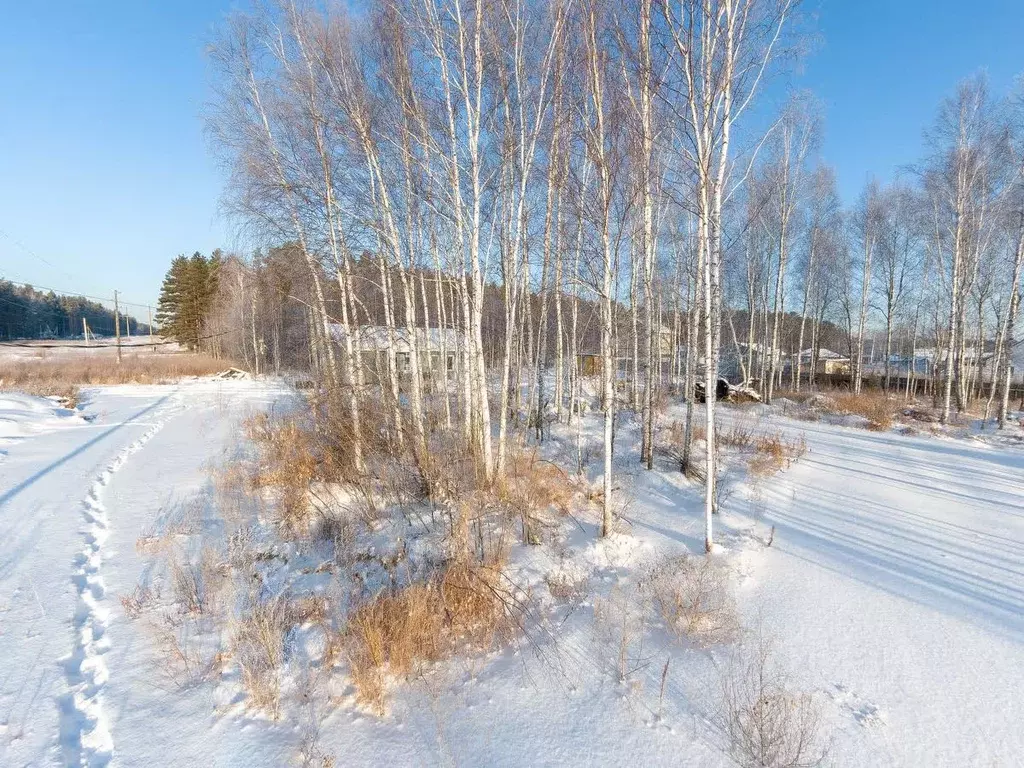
{"points": [[406, 608], [876, 407], [62, 374], [466, 605]]}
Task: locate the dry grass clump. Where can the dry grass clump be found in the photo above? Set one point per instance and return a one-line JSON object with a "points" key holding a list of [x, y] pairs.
{"points": [[670, 441], [195, 582], [620, 621], [398, 630], [62, 374], [390, 634], [876, 407], [692, 595], [738, 435], [741, 434], [532, 487], [770, 452], [768, 725], [287, 463], [567, 587], [185, 655], [448, 471], [773, 453], [433, 606], [258, 645], [134, 603], [300, 455], [67, 393], [794, 396], [803, 414]]}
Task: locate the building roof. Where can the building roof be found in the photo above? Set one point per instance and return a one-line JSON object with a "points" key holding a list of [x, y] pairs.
{"points": [[823, 354]]}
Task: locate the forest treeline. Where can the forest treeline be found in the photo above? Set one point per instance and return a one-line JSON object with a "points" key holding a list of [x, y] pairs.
{"points": [[26, 313], [260, 313]]}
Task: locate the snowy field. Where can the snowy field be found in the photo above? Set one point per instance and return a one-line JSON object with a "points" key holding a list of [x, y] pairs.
{"points": [[74, 348], [892, 592]]}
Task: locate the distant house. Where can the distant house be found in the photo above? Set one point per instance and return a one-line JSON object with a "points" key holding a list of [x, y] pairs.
{"points": [[437, 348], [590, 361], [829, 362], [932, 359]]}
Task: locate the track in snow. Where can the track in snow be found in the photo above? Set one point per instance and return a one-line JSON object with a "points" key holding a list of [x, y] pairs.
{"points": [[85, 736]]}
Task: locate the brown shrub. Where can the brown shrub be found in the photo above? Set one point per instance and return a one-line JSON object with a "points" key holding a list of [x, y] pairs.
{"points": [[391, 633], [768, 725], [567, 587], [287, 464], [876, 407], [693, 597], [464, 605], [185, 658], [532, 487], [671, 442], [620, 623], [194, 582], [136, 602], [449, 471], [298, 454], [308, 609], [738, 435], [793, 395], [773, 453]]}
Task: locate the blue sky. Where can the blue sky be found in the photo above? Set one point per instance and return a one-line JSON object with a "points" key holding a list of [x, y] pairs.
{"points": [[105, 174]]}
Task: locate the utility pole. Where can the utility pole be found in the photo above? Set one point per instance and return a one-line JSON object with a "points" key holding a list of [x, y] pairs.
{"points": [[150, 308], [128, 325], [85, 331], [117, 328]]}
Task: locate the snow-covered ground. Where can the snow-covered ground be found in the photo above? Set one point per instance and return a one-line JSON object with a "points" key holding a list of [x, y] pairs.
{"points": [[893, 591], [896, 587], [75, 489]]}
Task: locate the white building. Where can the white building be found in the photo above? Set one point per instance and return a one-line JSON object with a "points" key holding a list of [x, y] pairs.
{"points": [[436, 347]]}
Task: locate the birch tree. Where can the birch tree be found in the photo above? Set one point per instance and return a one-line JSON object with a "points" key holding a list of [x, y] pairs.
{"points": [[794, 139], [721, 49], [898, 260], [955, 178]]}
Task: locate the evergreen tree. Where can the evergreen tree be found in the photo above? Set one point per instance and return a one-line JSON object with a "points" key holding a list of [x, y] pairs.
{"points": [[26, 313], [186, 297]]}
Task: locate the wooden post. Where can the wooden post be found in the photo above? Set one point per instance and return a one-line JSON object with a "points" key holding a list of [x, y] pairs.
{"points": [[150, 308], [117, 328]]}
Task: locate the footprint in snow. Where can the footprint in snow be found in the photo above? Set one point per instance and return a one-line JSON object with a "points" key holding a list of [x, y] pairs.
{"points": [[869, 715], [863, 712]]}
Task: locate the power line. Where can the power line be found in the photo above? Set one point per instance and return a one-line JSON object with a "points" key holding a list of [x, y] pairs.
{"points": [[75, 294], [33, 254], [60, 345]]}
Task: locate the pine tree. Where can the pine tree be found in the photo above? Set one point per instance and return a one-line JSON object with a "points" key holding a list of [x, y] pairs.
{"points": [[186, 296]]}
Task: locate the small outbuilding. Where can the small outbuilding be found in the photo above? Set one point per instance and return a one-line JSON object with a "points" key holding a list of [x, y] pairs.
{"points": [[829, 362]]}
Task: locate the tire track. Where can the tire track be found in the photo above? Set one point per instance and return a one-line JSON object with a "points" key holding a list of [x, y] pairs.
{"points": [[85, 735]]}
